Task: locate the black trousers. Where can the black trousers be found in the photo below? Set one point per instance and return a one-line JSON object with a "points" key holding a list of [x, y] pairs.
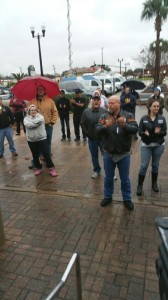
{"points": [[40, 147], [64, 120], [19, 120], [76, 122]]}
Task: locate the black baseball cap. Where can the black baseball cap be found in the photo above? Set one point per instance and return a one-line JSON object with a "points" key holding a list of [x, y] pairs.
{"points": [[78, 91], [96, 97]]}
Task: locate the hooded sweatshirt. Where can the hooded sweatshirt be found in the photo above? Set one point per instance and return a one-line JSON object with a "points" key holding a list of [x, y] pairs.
{"points": [[47, 108], [35, 126]]}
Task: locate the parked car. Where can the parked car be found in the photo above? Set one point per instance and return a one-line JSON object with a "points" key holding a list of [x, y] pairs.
{"points": [[148, 91], [6, 90], [5, 98]]}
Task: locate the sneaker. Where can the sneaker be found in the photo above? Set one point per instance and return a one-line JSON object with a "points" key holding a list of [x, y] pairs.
{"points": [[52, 172], [37, 172], [63, 139], [14, 154], [105, 201], [129, 205], [95, 175], [77, 139], [115, 178]]}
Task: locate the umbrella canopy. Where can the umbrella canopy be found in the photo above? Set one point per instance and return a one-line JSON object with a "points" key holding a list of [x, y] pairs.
{"points": [[26, 88], [71, 85], [134, 84]]}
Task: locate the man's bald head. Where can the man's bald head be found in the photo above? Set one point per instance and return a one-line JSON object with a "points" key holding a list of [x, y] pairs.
{"points": [[115, 98], [114, 104]]}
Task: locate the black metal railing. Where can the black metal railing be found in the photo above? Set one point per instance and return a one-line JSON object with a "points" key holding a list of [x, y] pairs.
{"points": [[75, 259]]}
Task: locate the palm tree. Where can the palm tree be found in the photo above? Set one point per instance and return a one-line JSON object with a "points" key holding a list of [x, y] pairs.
{"points": [[19, 76], [157, 9]]}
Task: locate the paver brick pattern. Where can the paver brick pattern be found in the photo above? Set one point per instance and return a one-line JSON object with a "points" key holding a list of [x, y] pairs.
{"points": [[47, 219]]}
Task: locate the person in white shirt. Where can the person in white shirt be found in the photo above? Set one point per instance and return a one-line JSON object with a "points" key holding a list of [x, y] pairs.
{"points": [[37, 140]]}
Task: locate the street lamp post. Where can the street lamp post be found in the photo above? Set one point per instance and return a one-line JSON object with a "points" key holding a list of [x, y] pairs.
{"points": [[120, 61], [38, 36], [54, 70], [127, 64]]}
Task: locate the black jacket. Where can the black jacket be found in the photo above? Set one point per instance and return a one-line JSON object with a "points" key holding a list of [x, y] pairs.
{"points": [[6, 117], [147, 124], [117, 140], [63, 106], [77, 110], [89, 120]]}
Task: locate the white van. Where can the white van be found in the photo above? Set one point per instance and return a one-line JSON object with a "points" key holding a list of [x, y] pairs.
{"points": [[117, 82], [89, 83], [109, 87]]}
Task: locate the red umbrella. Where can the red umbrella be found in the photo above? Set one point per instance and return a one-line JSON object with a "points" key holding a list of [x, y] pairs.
{"points": [[26, 88]]}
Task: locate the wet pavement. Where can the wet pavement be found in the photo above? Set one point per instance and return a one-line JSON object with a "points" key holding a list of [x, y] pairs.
{"points": [[47, 219]]}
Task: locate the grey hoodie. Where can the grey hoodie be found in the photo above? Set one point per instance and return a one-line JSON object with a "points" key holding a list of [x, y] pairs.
{"points": [[35, 127]]}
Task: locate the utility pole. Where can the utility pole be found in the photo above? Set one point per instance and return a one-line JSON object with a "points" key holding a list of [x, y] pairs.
{"points": [[69, 36], [102, 55]]}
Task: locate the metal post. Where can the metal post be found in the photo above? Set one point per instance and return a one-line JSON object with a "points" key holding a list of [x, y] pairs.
{"points": [[40, 58], [2, 234], [102, 80], [78, 279], [102, 56], [120, 61], [74, 259]]}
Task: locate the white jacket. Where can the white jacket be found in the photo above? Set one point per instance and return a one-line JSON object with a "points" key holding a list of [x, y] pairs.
{"points": [[35, 128]]}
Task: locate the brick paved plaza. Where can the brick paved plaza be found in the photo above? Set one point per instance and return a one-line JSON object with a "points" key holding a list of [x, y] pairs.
{"points": [[47, 219]]}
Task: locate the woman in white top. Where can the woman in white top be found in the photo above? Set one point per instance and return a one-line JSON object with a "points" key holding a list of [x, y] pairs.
{"points": [[37, 140]]}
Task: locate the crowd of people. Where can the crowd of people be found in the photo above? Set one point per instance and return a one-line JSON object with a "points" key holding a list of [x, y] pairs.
{"points": [[109, 126]]}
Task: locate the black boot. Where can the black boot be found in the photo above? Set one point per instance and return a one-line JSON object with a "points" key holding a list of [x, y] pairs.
{"points": [[154, 182], [140, 184]]}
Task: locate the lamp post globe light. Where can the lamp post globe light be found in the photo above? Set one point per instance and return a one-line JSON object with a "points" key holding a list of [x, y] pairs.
{"points": [[38, 36], [120, 61]]}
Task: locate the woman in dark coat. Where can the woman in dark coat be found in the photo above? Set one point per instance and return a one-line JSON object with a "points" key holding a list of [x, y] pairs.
{"points": [[152, 129]]}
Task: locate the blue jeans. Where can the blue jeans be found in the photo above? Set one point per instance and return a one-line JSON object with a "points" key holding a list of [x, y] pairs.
{"points": [[123, 166], [65, 121], [8, 133], [94, 147], [49, 131], [146, 154]]}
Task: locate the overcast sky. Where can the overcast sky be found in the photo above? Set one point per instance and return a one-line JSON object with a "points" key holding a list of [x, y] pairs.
{"points": [[114, 25]]}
